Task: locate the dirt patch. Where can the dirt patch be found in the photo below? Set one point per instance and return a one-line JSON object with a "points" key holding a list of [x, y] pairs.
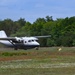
{"points": [[38, 55]]}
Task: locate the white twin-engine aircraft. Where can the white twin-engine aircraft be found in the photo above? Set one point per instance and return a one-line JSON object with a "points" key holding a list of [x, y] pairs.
{"points": [[20, 42]]}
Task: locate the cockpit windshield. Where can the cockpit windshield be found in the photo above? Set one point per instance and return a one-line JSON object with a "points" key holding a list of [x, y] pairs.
{"points": [[31, 40]]}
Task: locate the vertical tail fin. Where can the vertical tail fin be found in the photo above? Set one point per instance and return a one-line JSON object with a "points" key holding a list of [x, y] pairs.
{"points": [[2, 34]]}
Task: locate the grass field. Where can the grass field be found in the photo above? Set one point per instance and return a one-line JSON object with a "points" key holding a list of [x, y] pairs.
{"points": [[45, 61]]}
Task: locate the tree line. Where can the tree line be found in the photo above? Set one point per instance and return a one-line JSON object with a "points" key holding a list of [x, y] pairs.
{"points": [[62, 30]]}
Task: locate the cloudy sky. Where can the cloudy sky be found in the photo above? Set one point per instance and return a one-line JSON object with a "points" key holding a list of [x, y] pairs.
{"points": [[33, 9]]}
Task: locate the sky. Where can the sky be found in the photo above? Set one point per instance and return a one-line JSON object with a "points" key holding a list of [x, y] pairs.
{"points": [[30, 10]]}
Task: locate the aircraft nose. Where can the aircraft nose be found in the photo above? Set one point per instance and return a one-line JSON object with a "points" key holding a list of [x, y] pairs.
{"points": [[37, 44]]}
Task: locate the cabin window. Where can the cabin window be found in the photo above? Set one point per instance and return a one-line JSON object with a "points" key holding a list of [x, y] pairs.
{"points": [[25, 42], [33, 40], [29, 41]]}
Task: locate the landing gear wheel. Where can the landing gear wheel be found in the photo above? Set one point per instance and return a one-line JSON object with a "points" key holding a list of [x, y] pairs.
{"points": [[15, 48], [37, 48]]}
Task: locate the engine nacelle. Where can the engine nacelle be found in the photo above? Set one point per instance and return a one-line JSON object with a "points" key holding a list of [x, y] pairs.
{"points": [[19, 39]]}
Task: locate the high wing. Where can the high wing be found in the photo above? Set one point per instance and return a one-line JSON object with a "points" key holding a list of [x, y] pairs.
{"points": [[47, 36], [19, 39], [3, 36]]}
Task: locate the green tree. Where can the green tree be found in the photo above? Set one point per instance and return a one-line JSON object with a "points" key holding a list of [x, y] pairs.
{"points": [[49, 18]]}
